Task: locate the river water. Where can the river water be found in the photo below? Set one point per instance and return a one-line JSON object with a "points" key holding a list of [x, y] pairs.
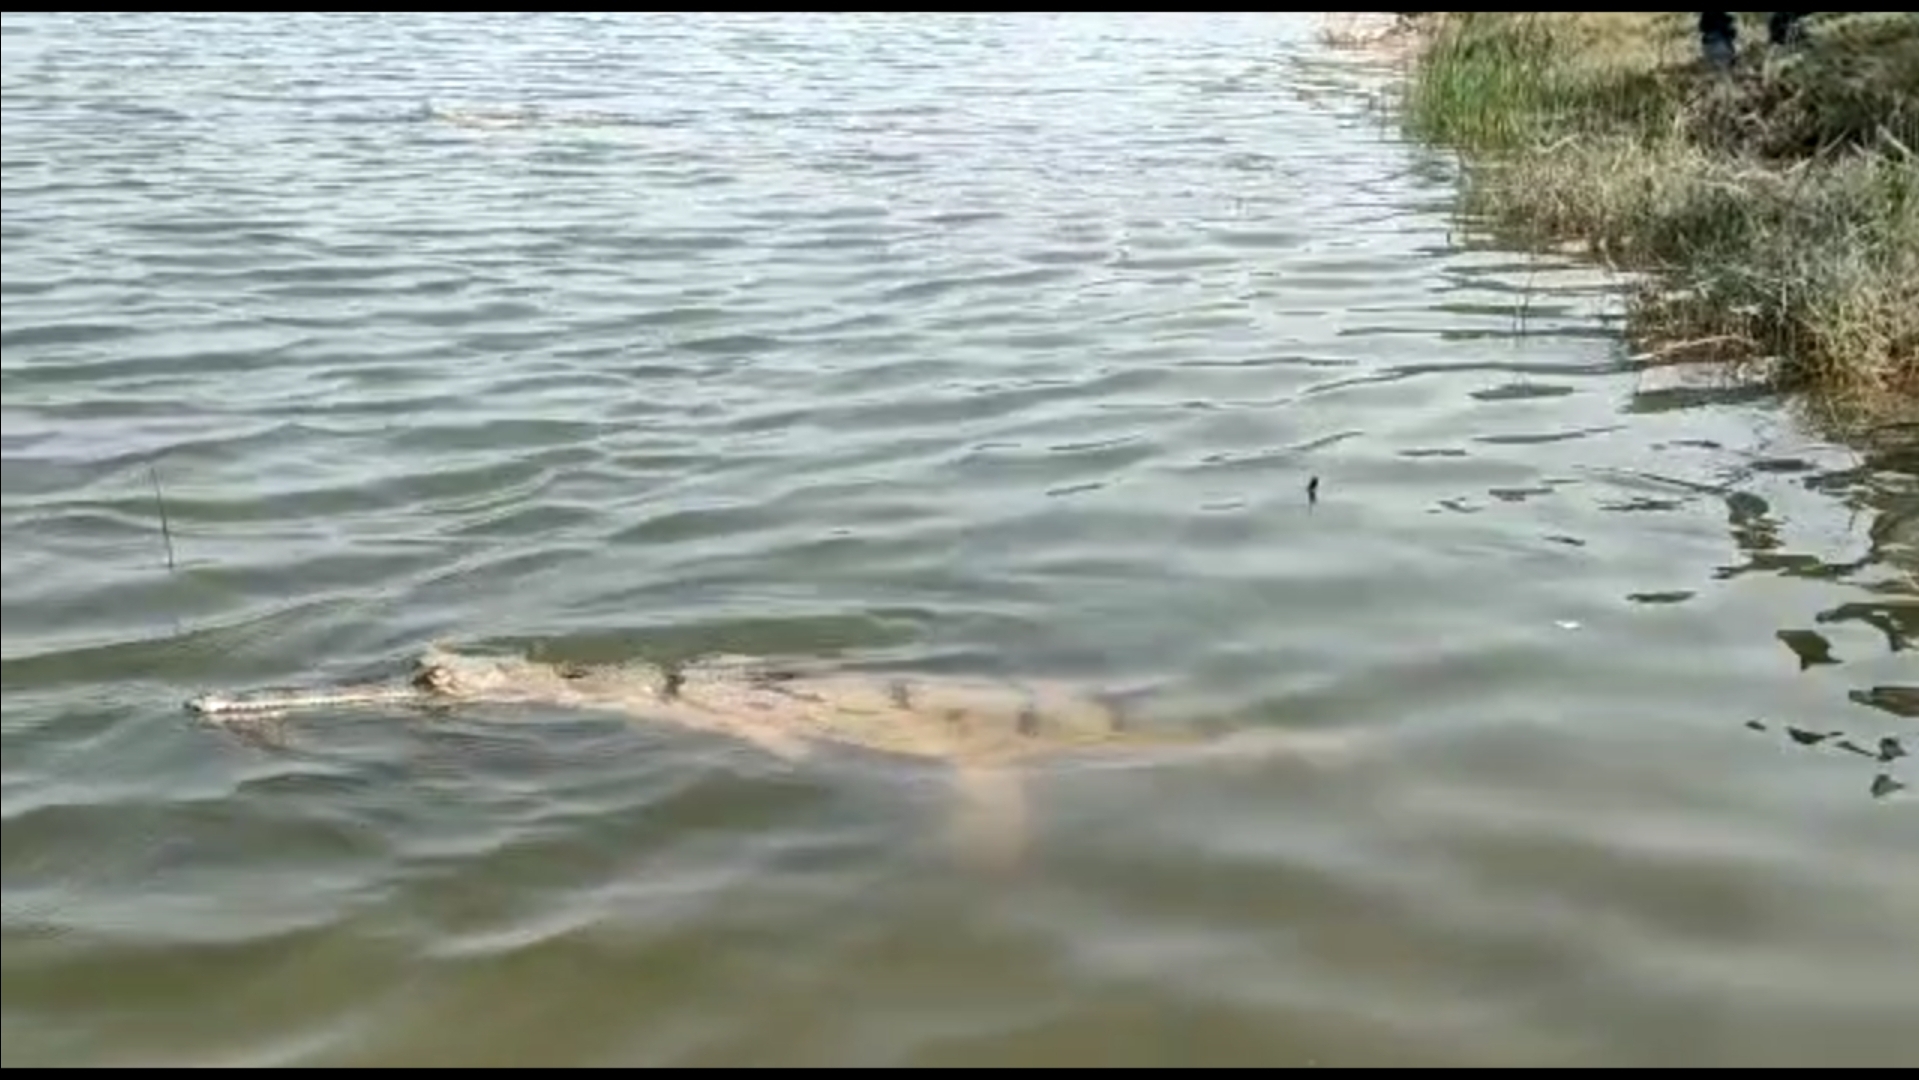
{"points": [[991, 344]]}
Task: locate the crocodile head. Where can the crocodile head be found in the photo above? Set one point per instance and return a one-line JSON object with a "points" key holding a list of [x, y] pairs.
{"points": [[458, 677], [448, 675]]}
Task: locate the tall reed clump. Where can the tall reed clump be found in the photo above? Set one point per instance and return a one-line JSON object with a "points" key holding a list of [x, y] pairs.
{"points": [[1774, 207]]}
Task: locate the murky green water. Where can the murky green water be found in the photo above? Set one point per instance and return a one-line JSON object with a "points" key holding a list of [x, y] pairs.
{"points": [[1007, 344]]}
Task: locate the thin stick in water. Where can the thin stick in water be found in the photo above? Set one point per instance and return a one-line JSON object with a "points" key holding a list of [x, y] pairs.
{"points": [[166, 530]]}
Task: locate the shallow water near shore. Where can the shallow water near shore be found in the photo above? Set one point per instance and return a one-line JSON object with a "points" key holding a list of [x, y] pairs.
{"points": [[994, 345]]}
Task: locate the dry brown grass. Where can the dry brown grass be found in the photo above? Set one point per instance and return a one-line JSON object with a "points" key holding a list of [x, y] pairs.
{"points": [[1775, 207]]}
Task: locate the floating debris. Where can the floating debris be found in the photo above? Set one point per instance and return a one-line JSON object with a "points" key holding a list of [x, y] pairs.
{"points": [[1811, 647], [1897, 700], [1888, 750]]}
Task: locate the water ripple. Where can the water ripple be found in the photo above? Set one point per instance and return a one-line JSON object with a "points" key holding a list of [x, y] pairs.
{"points": [[988, 343]]}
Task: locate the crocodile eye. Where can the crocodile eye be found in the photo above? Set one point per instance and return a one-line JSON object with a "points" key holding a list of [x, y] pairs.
{"points": [[436, 678]]}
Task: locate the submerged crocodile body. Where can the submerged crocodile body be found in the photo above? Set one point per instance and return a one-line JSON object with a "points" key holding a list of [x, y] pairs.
{"points": [[774, 706], [982, 728]]}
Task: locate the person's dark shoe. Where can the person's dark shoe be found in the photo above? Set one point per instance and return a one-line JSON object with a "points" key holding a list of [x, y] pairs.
{"points": [[1784, 32], [1719, 52]]}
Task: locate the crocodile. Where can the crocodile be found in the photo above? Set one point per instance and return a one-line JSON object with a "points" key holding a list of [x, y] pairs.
{"points": [[983, 729]]}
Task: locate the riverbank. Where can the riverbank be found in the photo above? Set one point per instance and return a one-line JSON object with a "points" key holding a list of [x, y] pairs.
{"points": [[1774, 208]]}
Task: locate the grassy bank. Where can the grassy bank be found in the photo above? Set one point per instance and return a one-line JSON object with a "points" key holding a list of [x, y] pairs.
{"points": [[1775, 206]]}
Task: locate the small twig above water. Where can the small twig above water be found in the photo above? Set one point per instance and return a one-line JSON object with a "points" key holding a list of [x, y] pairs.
{"points": [[166, 528]]}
